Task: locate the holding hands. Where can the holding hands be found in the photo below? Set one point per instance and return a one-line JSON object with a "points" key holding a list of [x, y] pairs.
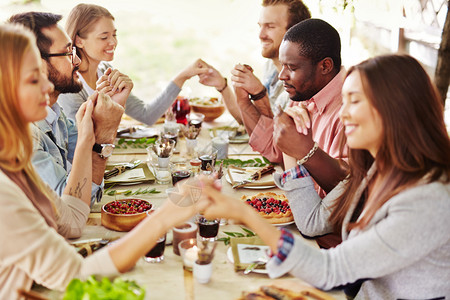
{"points": [[300, 115], [199, 67], [116, 85], [286, 136], [106, 116]]}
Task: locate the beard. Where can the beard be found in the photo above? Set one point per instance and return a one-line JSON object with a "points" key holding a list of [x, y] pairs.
{"points": [[64, 85], [269, 52]]}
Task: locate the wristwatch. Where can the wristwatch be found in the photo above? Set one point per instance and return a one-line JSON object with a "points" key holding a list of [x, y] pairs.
{"points": [[103, 150]]}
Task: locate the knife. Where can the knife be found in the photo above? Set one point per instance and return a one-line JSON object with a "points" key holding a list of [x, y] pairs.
{"points": [[119, 169], [255, 176]]}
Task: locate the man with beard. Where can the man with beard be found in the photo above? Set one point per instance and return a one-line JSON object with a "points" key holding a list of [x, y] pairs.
{"points": [[276, 17], [56, 137]]}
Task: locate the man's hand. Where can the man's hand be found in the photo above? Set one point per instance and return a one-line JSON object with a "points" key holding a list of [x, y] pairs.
{"points": [[107, 115], [199, 67], [212, 77], [116, 85], [243, 77], [288, 140]]}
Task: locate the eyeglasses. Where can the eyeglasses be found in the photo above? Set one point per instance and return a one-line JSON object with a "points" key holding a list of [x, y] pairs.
{"points": [[72, 54]]}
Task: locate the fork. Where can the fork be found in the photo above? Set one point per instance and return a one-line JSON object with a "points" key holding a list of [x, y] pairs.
{"points": [[118, 169], [253, 265]]}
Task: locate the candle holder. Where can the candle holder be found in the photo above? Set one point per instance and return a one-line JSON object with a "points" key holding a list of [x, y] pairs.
{"points": [[182, 232], [188, 252], [163, 149]]}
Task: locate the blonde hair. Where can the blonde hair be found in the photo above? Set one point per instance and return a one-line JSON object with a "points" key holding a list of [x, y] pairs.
{"points": [[16, 142]]}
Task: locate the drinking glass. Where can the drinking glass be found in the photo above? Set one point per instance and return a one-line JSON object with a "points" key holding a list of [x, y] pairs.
{"points": [[207, 228], [179, 171], [208, 157], [189, 253], [181, 108], [156, 254], [195, 119]]}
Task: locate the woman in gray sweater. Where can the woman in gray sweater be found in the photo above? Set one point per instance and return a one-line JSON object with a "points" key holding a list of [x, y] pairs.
{"points": [[393, 209], [91, 28]]}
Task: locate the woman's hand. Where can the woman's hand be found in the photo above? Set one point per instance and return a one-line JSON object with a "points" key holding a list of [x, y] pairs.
{"points": [[85, 124], [199, 67], [215, 204], [300, 115], [116, 85]]}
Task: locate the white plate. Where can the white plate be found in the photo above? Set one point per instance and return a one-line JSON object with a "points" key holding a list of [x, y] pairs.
{"points": [[231, 260], [284, 224], [259, 187]]}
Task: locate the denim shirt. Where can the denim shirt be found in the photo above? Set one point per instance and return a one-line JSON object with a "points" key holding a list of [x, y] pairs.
{"points": [[55, 139], [275, 90]]}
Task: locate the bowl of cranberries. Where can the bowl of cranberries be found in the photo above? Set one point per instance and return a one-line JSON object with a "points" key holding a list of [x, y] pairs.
{"points": [[125, 214]]}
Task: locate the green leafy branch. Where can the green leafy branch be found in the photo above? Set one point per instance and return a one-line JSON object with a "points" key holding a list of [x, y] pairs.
{"points": [[226, 240], [141, 143], [139, 191], [253, 162]]}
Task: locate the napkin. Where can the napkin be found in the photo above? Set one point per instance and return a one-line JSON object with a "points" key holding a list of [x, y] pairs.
{"points": [[130, 175], [246, 250]]}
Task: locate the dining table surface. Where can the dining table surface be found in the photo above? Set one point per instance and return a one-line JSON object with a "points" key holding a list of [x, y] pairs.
{"points": [[168, 279]]}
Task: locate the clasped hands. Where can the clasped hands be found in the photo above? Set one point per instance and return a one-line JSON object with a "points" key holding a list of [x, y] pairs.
{"points": [[292, 132], [116, 85]]}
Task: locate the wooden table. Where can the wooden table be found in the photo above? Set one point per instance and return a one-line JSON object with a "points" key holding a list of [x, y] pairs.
{"points": [[168, 280]]}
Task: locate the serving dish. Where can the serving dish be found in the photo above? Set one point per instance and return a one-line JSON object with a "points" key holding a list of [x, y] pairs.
{"points": [[124, 214], [212, 107]]}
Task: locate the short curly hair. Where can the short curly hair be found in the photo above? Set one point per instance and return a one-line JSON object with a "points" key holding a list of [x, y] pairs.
{"points": [[317, 40]]}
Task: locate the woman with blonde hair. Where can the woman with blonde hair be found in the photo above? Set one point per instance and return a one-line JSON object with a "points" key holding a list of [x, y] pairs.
{"points": [[393, 210], [34, 221], [92, 30]]}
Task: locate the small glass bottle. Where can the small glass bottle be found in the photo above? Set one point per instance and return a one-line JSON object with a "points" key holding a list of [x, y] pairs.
{"points": [[195, 166]]}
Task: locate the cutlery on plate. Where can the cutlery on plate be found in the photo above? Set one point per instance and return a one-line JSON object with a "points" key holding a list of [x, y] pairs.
{"points": [[256, 263], [255, 176], [120, 168], [127, 130]]}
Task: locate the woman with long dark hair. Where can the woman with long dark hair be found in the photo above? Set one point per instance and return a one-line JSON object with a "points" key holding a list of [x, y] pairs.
{"points": [[393, 210]]}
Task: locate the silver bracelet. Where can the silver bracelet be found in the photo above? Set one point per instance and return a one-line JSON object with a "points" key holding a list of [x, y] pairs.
{"points": [[309, 155]]}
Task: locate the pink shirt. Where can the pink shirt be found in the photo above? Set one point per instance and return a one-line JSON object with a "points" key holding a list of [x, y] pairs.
{"points": [[326, 126]]}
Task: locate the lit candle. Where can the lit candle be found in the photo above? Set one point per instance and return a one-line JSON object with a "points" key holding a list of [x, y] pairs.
{"points": [[190, 257]]}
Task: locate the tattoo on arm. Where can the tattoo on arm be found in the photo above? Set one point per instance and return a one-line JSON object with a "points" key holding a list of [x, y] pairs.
{"points": [[77, 191]]}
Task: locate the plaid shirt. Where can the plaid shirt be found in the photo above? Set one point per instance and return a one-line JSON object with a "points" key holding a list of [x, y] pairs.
{"points": [[285, 245], [298, 171]]}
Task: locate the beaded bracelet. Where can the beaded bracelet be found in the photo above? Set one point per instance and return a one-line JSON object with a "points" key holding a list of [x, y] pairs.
{"points": [[309, 155]]}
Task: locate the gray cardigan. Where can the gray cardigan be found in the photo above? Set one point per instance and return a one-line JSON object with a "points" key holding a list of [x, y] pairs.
{"points": [[405, 249], [147, 113]]}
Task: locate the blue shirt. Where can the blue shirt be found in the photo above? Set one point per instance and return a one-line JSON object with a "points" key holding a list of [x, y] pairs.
{"points": [[55, 139]]}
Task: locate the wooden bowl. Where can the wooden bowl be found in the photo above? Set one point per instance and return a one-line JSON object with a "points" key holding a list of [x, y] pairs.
{"points": [[211, 112], [122, 222]]}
